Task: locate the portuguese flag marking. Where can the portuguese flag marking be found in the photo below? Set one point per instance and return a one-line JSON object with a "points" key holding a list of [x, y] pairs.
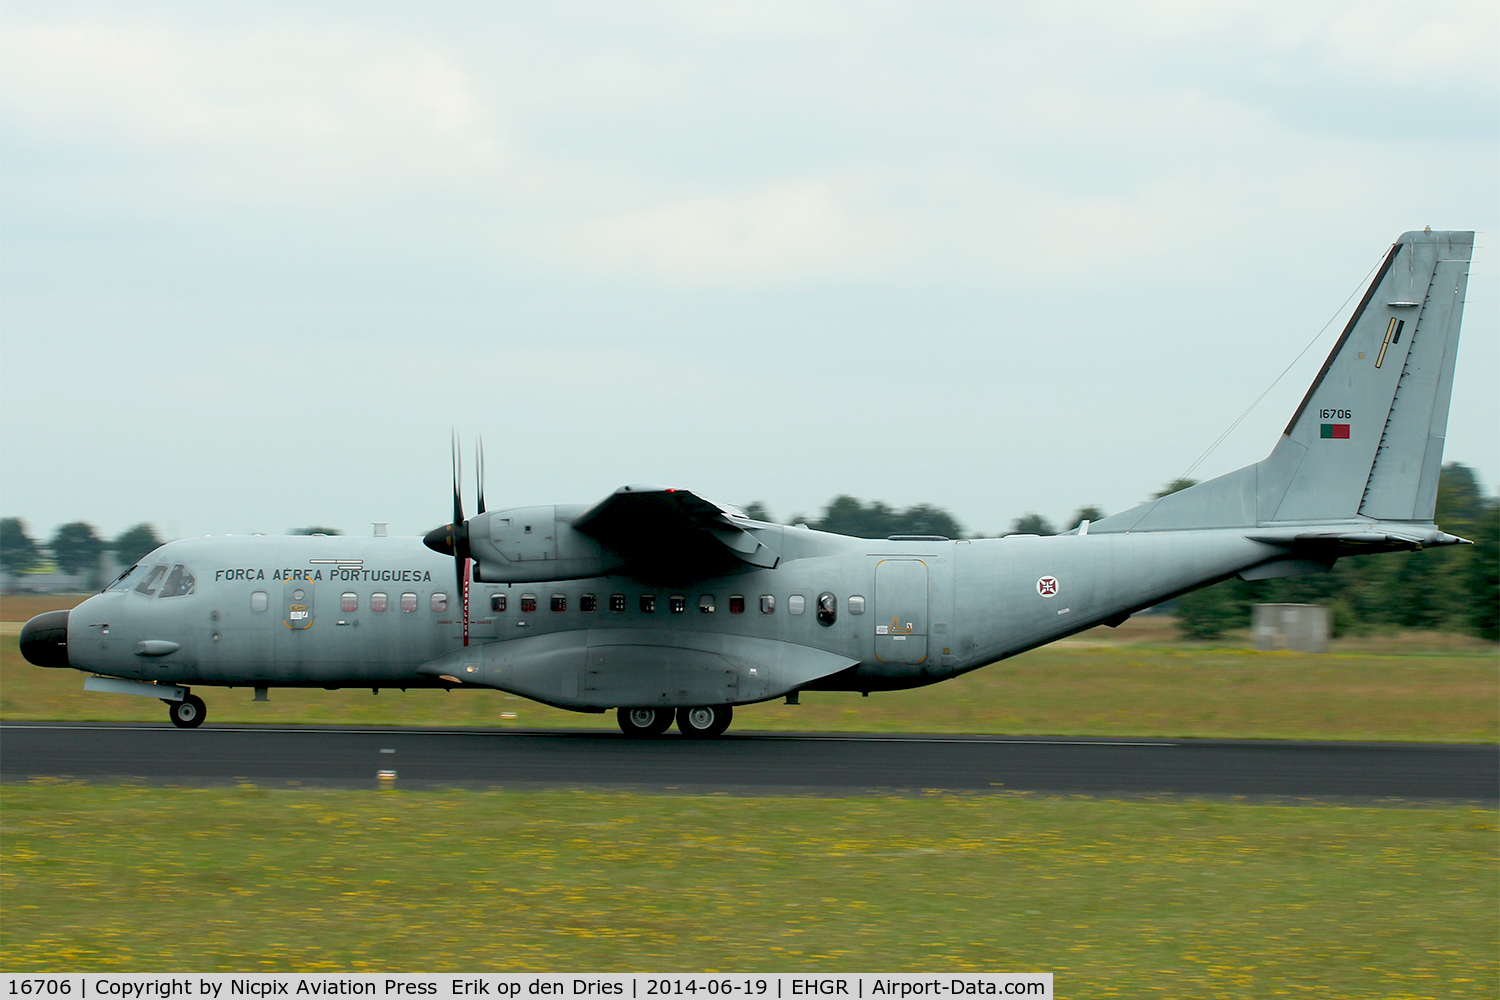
{"points": [[1335, 430]]}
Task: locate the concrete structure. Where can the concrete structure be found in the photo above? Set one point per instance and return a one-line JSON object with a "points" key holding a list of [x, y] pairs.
{"points": [[1300, 627]]}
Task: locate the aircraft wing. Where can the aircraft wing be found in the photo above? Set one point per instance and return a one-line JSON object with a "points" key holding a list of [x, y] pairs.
{"points": [[672, 533]]}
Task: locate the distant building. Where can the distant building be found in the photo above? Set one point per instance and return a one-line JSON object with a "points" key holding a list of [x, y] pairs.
{"points": [[1303, 628], [47, 578]]}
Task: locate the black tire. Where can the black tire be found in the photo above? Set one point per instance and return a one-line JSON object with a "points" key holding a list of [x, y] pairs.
{"points": [[188, 713], [635, 721], [704, 722]]}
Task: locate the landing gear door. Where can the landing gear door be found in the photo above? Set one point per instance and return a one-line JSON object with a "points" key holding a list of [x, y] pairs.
{"points": [[901, 611], [298, 604]]}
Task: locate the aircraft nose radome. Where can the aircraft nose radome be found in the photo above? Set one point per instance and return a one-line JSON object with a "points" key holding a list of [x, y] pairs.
{"points": [[440, 539], [44, 639]]}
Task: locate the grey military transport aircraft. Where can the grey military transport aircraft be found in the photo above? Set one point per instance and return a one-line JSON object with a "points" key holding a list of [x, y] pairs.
{"points": [[659, 604]]}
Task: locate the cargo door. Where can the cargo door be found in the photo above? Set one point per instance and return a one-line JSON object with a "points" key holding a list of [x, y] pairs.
{"points": [[901, 611]]}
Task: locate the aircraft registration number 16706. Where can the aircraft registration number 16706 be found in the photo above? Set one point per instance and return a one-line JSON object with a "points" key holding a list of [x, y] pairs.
{"points": [[1336, 414], [715, 987], [40, 987]]}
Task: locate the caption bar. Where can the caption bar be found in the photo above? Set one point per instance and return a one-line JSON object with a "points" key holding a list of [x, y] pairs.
{"points": [[636, 986]]}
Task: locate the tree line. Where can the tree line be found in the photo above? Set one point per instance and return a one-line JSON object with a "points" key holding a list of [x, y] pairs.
{"points": [[1456, 588], [77, 549]]}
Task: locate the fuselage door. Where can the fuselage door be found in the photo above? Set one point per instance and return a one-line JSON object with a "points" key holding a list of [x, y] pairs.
{"points": [[901, 611], [298, 602]]}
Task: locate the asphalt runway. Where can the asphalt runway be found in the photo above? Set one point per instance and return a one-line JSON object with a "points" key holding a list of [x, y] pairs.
{"points": [[744, 763]]}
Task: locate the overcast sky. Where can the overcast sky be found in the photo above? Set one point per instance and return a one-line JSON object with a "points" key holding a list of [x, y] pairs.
{"points": [[258, 259]]}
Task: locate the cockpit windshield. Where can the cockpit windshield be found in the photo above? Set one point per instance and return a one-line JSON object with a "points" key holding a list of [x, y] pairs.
{"points": [[152, 581], [122, 582], [179, 582]]}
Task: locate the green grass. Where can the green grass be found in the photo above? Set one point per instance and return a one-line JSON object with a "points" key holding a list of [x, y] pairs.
{"points": [[1118, 898], [1155, 687]]}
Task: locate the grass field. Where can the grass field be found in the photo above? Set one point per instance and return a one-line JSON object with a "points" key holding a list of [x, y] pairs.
{"points": [[1118, 898], [1139, 680]]}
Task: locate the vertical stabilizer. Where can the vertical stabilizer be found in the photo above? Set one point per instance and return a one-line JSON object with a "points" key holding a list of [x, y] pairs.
{"points": [[1367, 440], [1368, 437]]}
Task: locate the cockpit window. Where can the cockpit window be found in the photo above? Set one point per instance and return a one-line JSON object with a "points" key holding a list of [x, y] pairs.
{"points": [[122, 582], [153, 580], [179, 582]]}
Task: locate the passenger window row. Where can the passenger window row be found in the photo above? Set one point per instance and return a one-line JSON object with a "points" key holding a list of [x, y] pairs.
{"points": [[349, 602], [826, 606]]}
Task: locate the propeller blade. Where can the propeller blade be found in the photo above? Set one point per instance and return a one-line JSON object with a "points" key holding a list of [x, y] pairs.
{"points": [[458, 479], [479, 470], [460, 534]]}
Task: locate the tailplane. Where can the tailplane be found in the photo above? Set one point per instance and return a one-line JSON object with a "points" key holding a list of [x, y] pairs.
{"points": [[1367, 441]]}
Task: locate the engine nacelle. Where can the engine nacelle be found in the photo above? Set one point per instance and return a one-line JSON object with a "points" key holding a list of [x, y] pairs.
{"points": [[525, 544]]}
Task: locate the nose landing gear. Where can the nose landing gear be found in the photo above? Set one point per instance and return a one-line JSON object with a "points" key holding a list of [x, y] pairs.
{"points": [[188, 713]]}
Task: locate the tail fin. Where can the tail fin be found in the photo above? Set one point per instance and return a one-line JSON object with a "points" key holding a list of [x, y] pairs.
{"points": [[1367, 440], [1368, 437]]}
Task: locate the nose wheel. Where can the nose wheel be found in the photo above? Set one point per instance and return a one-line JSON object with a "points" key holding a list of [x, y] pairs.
{"points": [[704, 721], [644, 721], [188, 713]]}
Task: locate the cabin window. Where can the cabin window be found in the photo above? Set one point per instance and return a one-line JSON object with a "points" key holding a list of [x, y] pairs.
{"points": [[438, 603], [497, 602], [617, 603], [259, 601], [856, 605], [706, 604], [408, 602], [588, 603], [677, 604], [153, 579], [767, 604], [559, 602], [379, 602], [528, 604], [179, 583], [348, 603], [796, 604], [828, 608], [648, 603], [737, 604]]}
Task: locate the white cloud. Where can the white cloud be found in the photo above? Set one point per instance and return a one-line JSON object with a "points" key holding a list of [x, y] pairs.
{"points": [[783, 210], [796, 231]]}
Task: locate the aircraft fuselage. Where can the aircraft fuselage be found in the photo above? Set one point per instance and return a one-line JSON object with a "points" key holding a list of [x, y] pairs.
{"points": [[385, 612]]}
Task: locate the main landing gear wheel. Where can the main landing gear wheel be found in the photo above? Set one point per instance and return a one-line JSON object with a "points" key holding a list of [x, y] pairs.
{"points": [[644, 721], [188, 713], [705, 721]]}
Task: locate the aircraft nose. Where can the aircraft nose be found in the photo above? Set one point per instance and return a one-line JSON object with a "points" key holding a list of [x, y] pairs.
{"points": [[44, 639]]}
